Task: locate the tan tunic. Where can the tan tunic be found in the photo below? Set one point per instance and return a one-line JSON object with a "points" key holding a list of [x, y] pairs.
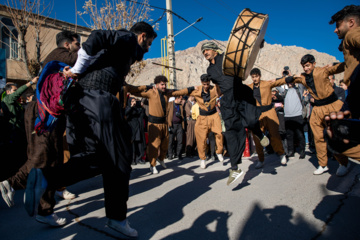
{"points": [[321, 81], [265, 90], [351, 52], [213, 95]]}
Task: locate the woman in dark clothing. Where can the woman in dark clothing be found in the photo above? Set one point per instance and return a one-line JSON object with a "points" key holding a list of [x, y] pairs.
{"points": [[135, 117]]}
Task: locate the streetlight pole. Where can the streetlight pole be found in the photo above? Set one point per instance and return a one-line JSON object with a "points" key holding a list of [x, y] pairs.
{"points": [[171, 49]]}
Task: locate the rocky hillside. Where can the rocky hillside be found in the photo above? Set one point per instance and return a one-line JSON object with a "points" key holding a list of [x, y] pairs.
{"points": [[271, 61]]}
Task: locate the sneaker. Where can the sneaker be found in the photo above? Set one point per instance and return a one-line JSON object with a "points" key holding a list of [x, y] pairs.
{"points": [[321, 170], [342, 170], [220, 157], [35, 188], [52, 220], [162, 163], [234, 175], [265, 141], [283, 159], [65, 194], [203, 164], [7, 193], [259, 165], [122, 227], [153, 170]]}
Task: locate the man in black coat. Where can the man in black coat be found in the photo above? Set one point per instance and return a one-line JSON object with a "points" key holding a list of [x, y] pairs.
{"points": [[97, 133], [238, 109]]}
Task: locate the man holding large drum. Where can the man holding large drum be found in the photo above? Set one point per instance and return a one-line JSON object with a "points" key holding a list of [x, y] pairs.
{"points": [[238, 109]]}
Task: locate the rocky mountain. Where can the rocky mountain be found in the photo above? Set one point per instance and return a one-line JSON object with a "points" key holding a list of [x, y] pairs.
{"points": [[270, 60]]}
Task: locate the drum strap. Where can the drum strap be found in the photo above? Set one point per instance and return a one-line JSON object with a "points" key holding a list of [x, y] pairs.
{"points": [[246, 39]]}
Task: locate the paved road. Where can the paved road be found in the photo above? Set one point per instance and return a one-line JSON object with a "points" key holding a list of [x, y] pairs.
{"points": [[187, 202]]}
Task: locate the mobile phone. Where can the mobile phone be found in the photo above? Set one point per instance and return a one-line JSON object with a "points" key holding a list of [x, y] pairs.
{"points": [[346, 129]]}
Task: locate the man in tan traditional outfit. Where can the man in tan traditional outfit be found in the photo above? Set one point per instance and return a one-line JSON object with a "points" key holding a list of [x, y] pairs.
{"points": [[347, 28], [158, 128], [316, 80], [268, 118], [208, 119]]}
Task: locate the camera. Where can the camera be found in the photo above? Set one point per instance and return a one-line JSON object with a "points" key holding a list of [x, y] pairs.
{"points": [[286, 71], [178, 114]]}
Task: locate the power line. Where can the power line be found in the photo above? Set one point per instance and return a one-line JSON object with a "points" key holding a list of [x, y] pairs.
{"points": [[180, 17], [227, 7]]}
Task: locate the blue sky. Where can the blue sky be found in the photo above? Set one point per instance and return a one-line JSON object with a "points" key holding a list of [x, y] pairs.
{"points": [[300, 23]]}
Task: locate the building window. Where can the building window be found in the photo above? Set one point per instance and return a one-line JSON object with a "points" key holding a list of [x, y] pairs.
{"points": [[9, 39]]}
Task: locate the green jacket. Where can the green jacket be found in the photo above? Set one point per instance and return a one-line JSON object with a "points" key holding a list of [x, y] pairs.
{"points": [[13, 111]]}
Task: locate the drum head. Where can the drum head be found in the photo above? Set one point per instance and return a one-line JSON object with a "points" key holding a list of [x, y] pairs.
{"points": [[244, 43]]}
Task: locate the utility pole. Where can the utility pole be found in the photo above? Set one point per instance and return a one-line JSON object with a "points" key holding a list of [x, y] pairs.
{"points": [[171, 43]]}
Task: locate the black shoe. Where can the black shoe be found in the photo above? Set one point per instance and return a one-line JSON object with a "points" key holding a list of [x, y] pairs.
{"points": [[142, 162], [291, 155], [180, 157], [302, 155]]}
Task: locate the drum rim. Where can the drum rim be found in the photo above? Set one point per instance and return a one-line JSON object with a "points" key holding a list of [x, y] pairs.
{"points": [[236, 68]]}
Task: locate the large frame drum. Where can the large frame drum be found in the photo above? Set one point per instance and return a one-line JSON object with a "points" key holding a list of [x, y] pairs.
{"points": [[244, 43]]}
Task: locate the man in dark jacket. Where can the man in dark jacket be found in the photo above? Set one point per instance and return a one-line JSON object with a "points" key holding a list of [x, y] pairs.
{"points": [[135, 118], [175, 118], [340, 93], [97, 133]]}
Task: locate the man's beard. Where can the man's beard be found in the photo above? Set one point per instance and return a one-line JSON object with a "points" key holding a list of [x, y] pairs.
{"points": [[143, 45]]}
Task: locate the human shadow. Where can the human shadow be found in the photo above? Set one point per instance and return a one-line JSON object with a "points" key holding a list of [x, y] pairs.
{"points": [[340, 215], [169, 208], [199, 229], [275, 224]]}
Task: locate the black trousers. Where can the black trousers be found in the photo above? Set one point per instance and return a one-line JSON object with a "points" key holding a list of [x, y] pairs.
{"points": [[99, 142], [237, 115], [294, 126], [212, 144], [176, 131]]}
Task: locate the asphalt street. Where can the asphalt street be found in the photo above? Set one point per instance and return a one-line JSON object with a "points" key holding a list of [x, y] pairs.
{"points": [[187, 202]]}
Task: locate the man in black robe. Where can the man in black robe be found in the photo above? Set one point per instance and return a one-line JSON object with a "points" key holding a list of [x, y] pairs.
{"points": [[97, 133]]}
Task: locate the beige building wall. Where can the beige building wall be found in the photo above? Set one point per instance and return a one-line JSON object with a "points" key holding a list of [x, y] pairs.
{"points": [[15, 69]]}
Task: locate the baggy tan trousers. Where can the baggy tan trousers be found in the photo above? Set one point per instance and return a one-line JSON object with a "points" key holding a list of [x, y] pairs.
{"points": [[317, 125], [269, 121], [353, 153], [204, 125], [158, 139]]}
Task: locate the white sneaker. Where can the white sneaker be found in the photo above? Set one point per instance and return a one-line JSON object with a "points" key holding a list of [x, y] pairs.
{"points": [[259, 165], [7, 193], [321, 170], [162, 163], [220, 157], [122, 227], [153, 170], [203, 164], [65, 194], [283, 159], [342, 170], [52, 220]]}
